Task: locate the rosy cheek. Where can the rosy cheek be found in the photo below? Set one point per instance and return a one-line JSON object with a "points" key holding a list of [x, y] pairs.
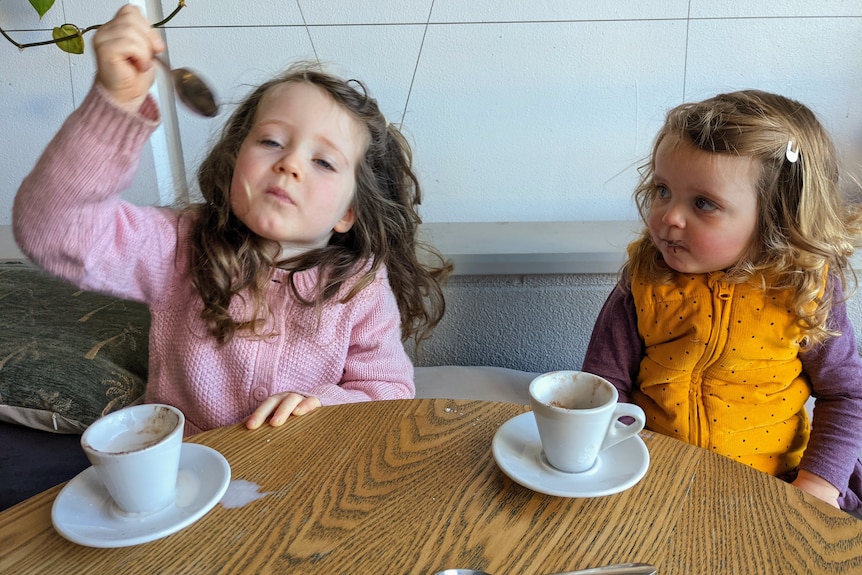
{"points": [[240, 191], [654, 219]]}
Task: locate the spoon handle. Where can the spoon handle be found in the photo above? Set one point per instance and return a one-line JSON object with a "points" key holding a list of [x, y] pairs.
{"points": [[623, 569]]}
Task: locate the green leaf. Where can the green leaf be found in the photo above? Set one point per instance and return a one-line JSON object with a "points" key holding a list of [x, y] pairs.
{"points": [[73, 45], [42, 6]]}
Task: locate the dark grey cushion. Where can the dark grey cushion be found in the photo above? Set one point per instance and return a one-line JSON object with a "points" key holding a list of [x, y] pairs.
{"points": [[66, 356]]}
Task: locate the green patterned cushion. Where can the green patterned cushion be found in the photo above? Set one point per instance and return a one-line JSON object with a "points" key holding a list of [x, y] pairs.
{"points": [[66, 356]]}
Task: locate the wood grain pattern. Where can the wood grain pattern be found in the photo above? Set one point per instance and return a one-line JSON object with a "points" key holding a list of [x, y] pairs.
{"points": [[411, 487]]}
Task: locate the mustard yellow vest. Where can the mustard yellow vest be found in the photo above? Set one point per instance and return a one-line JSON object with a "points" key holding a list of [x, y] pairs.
{"points": [[721, 369]]}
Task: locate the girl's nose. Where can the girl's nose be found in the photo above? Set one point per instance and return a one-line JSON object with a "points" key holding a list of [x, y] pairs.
{"points": [[288, 164], [674, 216]]}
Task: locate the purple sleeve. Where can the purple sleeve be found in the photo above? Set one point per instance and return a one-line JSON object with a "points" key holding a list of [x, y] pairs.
{"points": [[616, 349], [835, 371]]}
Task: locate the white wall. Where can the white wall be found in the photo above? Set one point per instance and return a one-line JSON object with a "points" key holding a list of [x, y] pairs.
{"points": [[518, 110]]}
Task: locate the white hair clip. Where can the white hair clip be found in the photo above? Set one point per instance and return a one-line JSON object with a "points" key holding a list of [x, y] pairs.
{"points": [[792, 154]]}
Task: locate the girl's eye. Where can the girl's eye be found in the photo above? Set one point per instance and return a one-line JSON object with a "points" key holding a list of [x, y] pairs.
{"points": [[705, 205], [662, 193], [324, 164], [267, 143]]}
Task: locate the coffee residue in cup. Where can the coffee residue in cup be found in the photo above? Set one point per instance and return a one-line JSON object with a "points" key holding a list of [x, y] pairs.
{"points": [[573, 403]]}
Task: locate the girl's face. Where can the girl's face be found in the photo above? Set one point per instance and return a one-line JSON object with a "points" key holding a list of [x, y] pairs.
{"points": [[703, 215], [295, 173]]}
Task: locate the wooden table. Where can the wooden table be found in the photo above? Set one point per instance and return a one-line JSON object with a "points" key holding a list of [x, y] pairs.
{"points": [[411, 487]]}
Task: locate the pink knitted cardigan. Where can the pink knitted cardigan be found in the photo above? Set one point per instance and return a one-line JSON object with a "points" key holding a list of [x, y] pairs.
{"points": [[69, 219]]}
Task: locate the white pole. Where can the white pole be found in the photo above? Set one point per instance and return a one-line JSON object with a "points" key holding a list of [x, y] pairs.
{"points": [[166, 141]]}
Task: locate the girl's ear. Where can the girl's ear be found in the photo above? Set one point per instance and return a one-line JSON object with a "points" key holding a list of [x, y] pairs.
{"points": [[346, 222]]}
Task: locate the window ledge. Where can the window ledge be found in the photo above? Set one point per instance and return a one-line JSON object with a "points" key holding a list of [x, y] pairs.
{"points": [[504, 248], [515, 248]]}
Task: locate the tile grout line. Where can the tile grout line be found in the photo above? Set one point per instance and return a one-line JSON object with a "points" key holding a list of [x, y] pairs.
{"points": [[685, 56], [308, 31], [416, 67], [687, 18]]}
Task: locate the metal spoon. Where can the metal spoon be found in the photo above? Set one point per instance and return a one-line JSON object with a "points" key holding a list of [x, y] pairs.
{"points": [[192, 90], [623, 569]]}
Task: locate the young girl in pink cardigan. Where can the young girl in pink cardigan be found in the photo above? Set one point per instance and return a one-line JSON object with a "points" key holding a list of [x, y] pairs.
{"points": [[297, 281]]}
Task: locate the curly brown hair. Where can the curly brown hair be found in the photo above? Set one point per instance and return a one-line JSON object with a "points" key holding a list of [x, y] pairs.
{"points": [[806, 228], [229, 259]]}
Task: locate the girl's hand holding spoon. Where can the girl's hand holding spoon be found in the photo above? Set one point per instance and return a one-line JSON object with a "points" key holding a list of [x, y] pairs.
{"points": [[126, 49]]}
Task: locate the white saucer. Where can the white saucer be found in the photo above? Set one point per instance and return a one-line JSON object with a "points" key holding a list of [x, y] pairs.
{"points": [[518, 452], [84, 513]]}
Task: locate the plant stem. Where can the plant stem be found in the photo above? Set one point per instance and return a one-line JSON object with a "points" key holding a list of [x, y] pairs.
{"points": [[180, 5]]}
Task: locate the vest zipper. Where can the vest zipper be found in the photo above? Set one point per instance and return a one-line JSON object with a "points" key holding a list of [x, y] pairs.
{"points": [[722, 294]]}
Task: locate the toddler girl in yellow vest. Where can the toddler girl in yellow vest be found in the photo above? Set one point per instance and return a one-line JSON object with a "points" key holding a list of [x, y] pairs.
{"points": [[730, 311]]}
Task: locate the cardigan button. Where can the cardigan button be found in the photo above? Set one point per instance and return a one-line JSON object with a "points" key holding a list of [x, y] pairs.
{"points": [[260, 393]]}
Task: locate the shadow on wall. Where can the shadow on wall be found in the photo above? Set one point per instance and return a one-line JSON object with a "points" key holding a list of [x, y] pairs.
{"points": [[532, 323]]}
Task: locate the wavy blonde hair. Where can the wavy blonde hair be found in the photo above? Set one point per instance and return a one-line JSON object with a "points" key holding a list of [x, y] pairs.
{"points": [[229, 260], [806, 229]]}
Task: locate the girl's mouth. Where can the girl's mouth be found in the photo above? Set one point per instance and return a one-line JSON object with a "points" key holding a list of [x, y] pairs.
{"points": [[279, 194], [673, 247]]}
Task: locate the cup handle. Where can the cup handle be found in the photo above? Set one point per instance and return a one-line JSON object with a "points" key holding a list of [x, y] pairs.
{"points": [[616, 433]]}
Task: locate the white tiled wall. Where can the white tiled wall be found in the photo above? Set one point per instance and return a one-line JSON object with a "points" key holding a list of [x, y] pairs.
{"points": [[517, 110]]}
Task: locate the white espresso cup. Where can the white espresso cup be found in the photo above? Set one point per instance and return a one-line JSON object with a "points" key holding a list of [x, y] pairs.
{"points": [[576, 413], [135, 452]]}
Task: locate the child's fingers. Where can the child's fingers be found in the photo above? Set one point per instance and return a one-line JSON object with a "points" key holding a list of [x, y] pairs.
{"points": [[128, 36], [306, 405], [124, 49], [278, 408], [259, 415], [285, 408]]}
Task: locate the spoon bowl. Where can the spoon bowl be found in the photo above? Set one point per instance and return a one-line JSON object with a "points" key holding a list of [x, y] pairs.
{"points": [[622, 569], [192, 90]]}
